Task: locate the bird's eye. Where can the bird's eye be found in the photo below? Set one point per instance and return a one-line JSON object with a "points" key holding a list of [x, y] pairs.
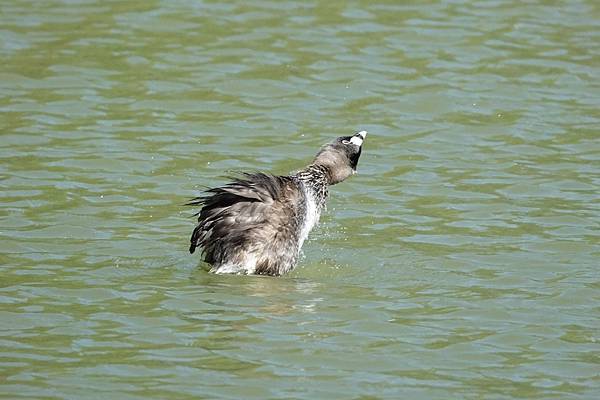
{"points": [[346, 141]]}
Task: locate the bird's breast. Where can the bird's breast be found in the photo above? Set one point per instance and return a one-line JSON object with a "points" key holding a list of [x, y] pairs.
{"points": [[312, 212]]}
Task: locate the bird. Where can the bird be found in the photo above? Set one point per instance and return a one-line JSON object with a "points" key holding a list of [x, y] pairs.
{"points": [[257, 223]]}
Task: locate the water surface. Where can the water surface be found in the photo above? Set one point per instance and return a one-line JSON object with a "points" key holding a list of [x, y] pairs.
{"points": [[461, 262]]}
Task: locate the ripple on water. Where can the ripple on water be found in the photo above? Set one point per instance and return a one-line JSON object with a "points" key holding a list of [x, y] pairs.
{"points": [[459, 262]]}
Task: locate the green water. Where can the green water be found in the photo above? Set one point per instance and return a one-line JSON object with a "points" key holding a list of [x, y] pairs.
{"points": [[460, 263]]}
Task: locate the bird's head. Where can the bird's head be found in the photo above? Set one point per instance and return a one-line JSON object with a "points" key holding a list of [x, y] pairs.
{"points": [[340, 157]]}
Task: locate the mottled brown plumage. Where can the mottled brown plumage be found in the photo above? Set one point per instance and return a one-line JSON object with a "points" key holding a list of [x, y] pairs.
{"points": [[257, 223]]}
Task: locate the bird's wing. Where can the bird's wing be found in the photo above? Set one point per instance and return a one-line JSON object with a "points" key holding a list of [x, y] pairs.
{"points": [[253, 213]]}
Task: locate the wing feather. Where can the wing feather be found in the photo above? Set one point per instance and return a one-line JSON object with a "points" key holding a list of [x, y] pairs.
{"points": [[255, 213]]}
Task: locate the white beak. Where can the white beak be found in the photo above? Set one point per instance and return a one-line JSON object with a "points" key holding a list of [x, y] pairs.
{"points": [[358, 138]]}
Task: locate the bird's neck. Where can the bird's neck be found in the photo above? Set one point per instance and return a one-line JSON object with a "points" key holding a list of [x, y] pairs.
{"points": [[316, 179]]}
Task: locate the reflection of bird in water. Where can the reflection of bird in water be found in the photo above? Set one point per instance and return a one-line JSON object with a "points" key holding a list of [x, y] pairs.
{"points": [[258, 223]]}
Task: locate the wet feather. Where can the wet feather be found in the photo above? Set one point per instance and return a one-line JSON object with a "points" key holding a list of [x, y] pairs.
{"points": [[257, 223]]}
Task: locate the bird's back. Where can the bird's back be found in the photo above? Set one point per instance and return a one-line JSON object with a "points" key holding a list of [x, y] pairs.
{"points": [[251, 225]]}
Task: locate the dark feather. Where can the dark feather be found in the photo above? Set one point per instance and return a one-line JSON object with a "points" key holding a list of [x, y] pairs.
{"points": [[254, 214]]}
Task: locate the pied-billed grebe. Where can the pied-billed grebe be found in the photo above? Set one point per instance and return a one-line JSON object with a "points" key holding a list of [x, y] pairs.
{"points": [[258, 223]]}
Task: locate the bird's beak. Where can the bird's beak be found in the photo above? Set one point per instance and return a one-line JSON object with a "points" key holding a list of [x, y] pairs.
{"points": [[358, 138]]}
